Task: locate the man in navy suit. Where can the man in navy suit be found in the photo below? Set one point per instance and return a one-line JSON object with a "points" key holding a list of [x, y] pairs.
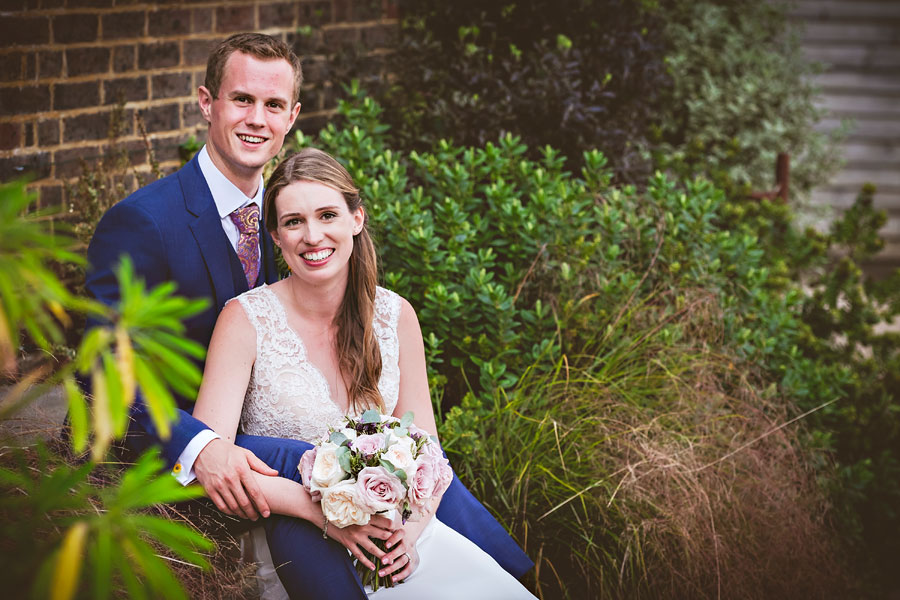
{"points": [[181, 229]]}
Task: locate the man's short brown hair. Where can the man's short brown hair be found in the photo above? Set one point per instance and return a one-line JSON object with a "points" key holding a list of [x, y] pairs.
{"points": [[259, 45]]}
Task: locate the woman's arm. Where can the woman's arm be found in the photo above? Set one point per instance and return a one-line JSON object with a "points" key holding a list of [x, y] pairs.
{"points": [[232, 352]]}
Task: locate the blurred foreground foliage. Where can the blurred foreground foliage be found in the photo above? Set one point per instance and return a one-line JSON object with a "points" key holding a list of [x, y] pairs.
{"points": [[74, 526]]}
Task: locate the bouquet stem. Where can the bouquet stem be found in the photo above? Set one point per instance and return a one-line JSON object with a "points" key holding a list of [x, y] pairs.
{"points": [[372, 578]]}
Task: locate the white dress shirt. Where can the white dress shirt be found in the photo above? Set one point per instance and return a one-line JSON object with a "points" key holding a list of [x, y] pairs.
{"points": [[228, 198]]}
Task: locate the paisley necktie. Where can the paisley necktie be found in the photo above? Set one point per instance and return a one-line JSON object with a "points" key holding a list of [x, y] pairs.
{"points": [[246, 219]]}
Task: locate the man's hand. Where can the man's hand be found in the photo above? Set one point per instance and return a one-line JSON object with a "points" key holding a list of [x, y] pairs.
{"points": [[226, 473]]}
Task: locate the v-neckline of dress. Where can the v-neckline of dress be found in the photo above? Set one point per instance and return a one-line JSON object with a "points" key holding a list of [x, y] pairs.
{"points": [[283, 314]]}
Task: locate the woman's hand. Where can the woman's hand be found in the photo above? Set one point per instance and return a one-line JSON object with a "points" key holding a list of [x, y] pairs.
{"points": [[402, 560], [356, 538]]}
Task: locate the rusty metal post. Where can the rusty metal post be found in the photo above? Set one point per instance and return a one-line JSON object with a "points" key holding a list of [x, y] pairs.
{"points": [[783, 175]]}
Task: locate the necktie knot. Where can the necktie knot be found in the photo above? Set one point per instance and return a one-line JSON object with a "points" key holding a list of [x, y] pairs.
{"points": [[246, 219]]}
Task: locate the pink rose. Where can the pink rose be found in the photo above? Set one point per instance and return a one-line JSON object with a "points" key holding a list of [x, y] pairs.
{"points": [[306, 469], [378, 490], [423, 482], [369, 444], [432, 450], [445, 476]]}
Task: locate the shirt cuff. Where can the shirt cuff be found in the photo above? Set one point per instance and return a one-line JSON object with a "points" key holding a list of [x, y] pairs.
{"points": [[183, 471]]}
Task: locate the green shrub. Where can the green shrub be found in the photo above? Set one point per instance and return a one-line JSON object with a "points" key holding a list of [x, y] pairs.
{"points": [[593, 348], [572, 74], [740, 93]]}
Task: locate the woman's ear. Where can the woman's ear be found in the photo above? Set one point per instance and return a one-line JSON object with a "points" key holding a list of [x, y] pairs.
{"points": [[359, 219]]}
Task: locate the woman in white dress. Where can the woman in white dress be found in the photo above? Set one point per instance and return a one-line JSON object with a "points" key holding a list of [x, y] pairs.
{"points": [[324, 343]]}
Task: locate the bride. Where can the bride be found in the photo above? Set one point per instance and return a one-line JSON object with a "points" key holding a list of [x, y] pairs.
{"points": [[324, 343]]}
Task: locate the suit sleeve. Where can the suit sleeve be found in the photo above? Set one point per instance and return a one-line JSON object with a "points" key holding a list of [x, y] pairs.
{"points": [[128, 229]]}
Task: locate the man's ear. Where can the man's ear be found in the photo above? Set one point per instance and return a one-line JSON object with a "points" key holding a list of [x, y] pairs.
{"points": [[205, 99], [294, 112]]}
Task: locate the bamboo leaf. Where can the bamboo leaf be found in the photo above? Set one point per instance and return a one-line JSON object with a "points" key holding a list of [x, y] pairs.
{"points": [[68, 563]]}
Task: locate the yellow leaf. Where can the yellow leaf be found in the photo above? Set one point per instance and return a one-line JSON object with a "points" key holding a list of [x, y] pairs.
{"points": [[125, 361], [103, 425], [59, 312], [7, 348], [68, 565]]}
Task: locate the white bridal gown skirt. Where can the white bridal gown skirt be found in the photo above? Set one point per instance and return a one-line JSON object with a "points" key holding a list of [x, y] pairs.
{"points": [[450, 567]]}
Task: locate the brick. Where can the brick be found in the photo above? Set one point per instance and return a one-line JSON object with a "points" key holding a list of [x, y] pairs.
{"points": [[157, 56], [125, 89], [196, 52], [92, 126], [48, 132], [342, 37], [315, 13], [163, 23], [67, 163], [304, 44], [87, 61], [50, 64], [76, 95], [29, 133], [10, 135], [117, 26], [311, 99], [166, 149], [234, 18], [36, 164], [24, 30], [201, 20], [45, 4], [191, 116], [75, 27], [123, 58], [343, 10], [367, 11], [11, 66], [171, 85], [316, 71], [24, 99], [162, 118], [277, 15], [391, 9], [50, 195], [30, 66], [379, 36]]}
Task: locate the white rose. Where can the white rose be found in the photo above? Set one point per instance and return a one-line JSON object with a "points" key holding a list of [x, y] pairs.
{"points": [[349, 432], [327, 470], [400, 454], [340, 506]]}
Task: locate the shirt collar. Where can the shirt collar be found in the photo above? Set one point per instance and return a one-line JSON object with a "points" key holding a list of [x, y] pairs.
{"points": [[227, 196]]}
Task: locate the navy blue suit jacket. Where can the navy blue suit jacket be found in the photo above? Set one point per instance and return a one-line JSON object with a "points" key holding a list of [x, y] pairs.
{"points": [[172, 231]]}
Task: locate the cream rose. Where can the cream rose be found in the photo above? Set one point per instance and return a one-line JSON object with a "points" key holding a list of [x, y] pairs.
{"points": [[400, 454], [327, 470], [378, 490], [340, 505], [306, 468]]}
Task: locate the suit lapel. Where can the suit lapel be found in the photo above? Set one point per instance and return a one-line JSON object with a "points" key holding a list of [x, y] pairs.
{"points": [[268, 256], [207, 229]]}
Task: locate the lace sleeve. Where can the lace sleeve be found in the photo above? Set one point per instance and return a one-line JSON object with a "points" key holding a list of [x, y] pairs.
{"points": [[387, 316]]}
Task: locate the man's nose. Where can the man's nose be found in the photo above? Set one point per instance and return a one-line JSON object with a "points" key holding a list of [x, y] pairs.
{"points": [[255, 115]]}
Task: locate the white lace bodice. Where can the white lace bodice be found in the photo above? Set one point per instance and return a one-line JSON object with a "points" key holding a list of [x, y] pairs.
{"points": [[288, 396]]}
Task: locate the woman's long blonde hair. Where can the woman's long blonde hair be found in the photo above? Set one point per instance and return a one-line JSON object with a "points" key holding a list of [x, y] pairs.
{"points": [[359, 357]]}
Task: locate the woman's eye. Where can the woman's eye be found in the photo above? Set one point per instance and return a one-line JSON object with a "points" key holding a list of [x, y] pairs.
{"points": [[329, 215], [291, 222]]}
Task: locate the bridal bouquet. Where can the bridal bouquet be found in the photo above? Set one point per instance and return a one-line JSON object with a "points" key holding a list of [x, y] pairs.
{"points": [[373, 465]]}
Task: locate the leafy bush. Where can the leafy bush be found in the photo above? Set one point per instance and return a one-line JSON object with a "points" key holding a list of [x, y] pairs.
{"points": [[612, 363], [575, 75], [740, 93]]}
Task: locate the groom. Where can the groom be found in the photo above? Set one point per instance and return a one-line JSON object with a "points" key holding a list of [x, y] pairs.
{"points": [[200, 228]]}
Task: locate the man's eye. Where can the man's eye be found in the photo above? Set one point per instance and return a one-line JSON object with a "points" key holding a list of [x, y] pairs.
{"points": [[242, 99], [274, 106]]}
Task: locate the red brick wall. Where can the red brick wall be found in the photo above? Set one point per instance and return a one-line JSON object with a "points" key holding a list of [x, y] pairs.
{"points": [[64, 65]]}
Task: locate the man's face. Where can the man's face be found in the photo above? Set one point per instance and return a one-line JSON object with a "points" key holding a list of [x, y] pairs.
{"points": [[250, 117]]}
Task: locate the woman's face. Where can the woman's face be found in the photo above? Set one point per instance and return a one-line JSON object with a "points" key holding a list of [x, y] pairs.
{"points": [[315, 231]]}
